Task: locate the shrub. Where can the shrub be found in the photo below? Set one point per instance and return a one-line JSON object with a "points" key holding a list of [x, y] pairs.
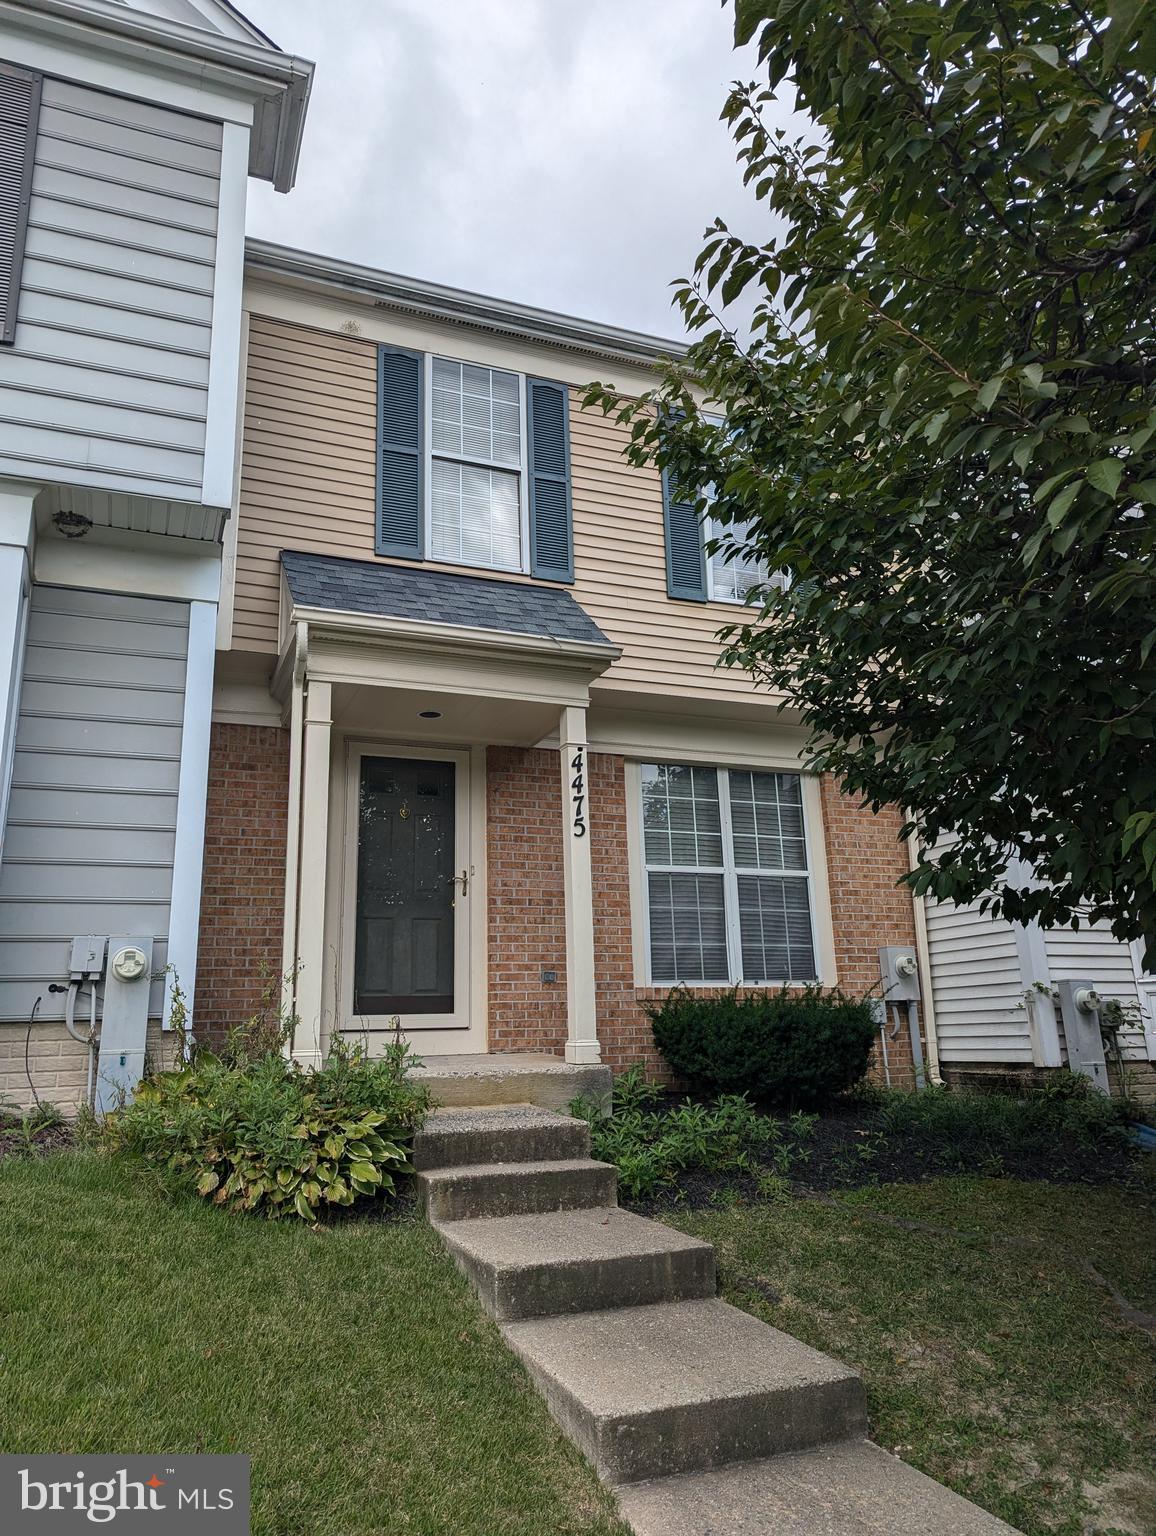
{"points": [[1066, 1108], [796, 1048], [262, 1133], [650, 1147]]}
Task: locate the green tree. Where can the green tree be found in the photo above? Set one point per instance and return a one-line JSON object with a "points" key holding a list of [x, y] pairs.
{"points": [[942, 421]]}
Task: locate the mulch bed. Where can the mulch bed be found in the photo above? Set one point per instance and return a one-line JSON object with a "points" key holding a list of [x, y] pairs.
{"points": [[17, 1141], [848, 1149]]}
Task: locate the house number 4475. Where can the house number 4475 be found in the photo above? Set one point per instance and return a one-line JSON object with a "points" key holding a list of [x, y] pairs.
{"points": [[578, 792]]}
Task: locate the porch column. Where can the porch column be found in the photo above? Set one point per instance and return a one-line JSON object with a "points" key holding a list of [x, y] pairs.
{"points": [[581, 1023], [317, 725]]}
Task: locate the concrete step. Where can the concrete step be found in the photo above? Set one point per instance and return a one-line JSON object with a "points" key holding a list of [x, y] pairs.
{"points": [[513, 1077], [578, 1261], [850, 1489], [511, 1133], [653, 1391], [515, 1189]]}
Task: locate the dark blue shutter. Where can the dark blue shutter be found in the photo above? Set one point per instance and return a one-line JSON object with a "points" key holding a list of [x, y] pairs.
{"points": [[399, 453], [685, 556], [551, 524]]}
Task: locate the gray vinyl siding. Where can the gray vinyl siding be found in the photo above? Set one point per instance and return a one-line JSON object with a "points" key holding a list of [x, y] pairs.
{"points": [[106, 385], [1092, 952], [980, 1013], [92, 815]]}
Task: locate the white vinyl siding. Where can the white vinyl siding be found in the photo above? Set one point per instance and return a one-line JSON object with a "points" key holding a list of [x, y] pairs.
{"points": [[980, 1012], [93, 809], [1092, 952], [477, 469], [728, 890], [106, 385]]}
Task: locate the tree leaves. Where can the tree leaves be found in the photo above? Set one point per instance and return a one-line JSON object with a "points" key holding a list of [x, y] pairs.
{"points": [[943, 424]]}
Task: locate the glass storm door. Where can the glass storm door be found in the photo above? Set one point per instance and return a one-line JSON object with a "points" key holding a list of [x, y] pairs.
{"points": [[409, 941]]}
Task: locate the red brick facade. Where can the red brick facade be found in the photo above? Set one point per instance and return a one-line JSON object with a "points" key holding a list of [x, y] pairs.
{"points": [[526, 928], [527, 913], [243, 895]]}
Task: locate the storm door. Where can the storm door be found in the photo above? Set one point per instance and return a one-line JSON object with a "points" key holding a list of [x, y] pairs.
{"points": [[410, 956]]}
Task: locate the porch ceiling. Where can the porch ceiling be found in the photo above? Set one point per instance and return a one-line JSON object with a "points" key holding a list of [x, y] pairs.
{"points": [[461, 719]]}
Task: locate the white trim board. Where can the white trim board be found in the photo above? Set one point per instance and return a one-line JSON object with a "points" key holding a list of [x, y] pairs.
{"points": [[192, 793]]}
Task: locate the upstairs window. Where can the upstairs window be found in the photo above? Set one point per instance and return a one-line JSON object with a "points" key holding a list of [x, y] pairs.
{"points": [[19, 114], [727, 873], [733, 571], [477, 475], [473, 466]]}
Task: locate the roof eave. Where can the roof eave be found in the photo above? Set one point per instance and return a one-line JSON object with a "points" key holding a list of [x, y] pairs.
{"points": [[371, 627], [278, 83], [434, 301]]}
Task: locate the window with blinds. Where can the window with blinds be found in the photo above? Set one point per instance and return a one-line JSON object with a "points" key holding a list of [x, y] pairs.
{"points": [[476, 492], [728, 886], [19, 111]]}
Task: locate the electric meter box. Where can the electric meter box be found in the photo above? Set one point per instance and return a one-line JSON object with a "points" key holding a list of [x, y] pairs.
{"points": [[899, 968]]}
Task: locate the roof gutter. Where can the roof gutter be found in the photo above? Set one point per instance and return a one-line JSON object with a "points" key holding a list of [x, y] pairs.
{"points": [[278, 83], [434, 301]]}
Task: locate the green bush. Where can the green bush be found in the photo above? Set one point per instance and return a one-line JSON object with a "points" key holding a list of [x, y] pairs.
{"points": [[1066, 1108], [651, 1147], [262, 1133], [798, 1048]]}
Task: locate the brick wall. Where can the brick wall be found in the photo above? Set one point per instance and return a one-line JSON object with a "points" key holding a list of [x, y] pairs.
{"points": [[243, 893], [527, 912], [868, 909]]}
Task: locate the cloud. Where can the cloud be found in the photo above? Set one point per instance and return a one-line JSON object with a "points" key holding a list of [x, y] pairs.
{"points": [[563, 156]]}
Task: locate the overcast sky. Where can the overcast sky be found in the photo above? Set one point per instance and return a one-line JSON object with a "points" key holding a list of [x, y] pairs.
{"points": [[567, 156]]}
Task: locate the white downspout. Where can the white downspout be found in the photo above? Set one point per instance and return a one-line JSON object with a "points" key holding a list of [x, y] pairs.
{"points": [[923, 953], [293, 830]]}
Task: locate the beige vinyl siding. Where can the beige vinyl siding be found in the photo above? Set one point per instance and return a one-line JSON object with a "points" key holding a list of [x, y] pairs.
{"points": [[308, 483]]}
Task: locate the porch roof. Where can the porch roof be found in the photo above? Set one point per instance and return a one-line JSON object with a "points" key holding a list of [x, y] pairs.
{"points": [[436, 597]]}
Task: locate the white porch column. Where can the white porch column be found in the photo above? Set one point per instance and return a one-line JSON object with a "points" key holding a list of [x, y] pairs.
{"points": [[307, 1037], [17, 527], [581, 1023]]}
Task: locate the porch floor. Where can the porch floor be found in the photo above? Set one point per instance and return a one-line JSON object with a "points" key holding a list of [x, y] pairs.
{"points": [[511, 1077]]}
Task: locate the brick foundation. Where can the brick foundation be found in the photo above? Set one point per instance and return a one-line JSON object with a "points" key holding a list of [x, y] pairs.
{"points": [[58, 1064], [243, 893]]}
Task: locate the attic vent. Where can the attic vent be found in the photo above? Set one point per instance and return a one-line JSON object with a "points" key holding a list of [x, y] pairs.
{"points": [[19, 111]]}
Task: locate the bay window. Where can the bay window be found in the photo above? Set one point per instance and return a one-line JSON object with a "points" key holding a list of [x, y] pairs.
{"points": [[727, 876]]}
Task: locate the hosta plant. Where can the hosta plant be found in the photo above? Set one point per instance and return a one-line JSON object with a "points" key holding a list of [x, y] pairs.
{"points": [[265, 1134]]}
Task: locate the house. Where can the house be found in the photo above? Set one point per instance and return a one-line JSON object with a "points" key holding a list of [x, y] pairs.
{"points": [[1002, 997], [129, 132], [473, 764]]}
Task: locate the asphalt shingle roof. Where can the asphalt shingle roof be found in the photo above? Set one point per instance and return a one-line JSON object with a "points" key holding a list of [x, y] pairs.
{"points": [[436, 597]]}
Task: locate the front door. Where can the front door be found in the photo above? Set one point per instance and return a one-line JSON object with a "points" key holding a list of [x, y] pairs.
{"points": [[410, 928]]}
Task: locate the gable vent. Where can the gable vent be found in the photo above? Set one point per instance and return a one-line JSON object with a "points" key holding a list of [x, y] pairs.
{"points": [[19, 111]]}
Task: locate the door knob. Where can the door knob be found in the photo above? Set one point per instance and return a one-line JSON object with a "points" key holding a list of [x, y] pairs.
{"points": [[463, 880]]}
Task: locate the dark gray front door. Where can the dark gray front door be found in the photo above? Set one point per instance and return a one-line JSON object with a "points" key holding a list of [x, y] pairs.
{"points": [[404, 947]]}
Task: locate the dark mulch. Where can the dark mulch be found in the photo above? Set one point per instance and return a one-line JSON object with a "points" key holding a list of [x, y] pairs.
{"points": [[24, 1138], [848, 1148]]}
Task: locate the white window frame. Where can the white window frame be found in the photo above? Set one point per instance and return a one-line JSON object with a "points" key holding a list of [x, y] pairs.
{"points": [[522, 469], [730, 872]]}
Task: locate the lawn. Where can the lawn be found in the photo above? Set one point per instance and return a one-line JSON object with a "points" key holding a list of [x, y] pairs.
{"points": [[995, 1354], [352, 1365]]}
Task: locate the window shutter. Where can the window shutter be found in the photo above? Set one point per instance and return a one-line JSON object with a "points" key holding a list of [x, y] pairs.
{"points": [[685, 557], [399, 453], [19, 112], [551, 522]]}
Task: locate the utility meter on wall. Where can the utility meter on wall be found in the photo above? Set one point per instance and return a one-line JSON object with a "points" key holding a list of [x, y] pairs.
{"points": [[129, 963]]}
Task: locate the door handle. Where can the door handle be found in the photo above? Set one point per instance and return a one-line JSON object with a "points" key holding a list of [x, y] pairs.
{"points": [[463, 880]]}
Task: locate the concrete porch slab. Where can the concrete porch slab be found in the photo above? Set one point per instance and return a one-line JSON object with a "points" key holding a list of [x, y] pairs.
{"points": [[513, 1077]]}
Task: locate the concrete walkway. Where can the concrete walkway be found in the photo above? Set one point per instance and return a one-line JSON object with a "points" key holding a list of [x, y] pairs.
{"points": [[706, 1421]]}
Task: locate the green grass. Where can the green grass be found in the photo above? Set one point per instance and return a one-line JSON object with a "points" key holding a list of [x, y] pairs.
{"points": [[1002, 1368], [351, 1365]]}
